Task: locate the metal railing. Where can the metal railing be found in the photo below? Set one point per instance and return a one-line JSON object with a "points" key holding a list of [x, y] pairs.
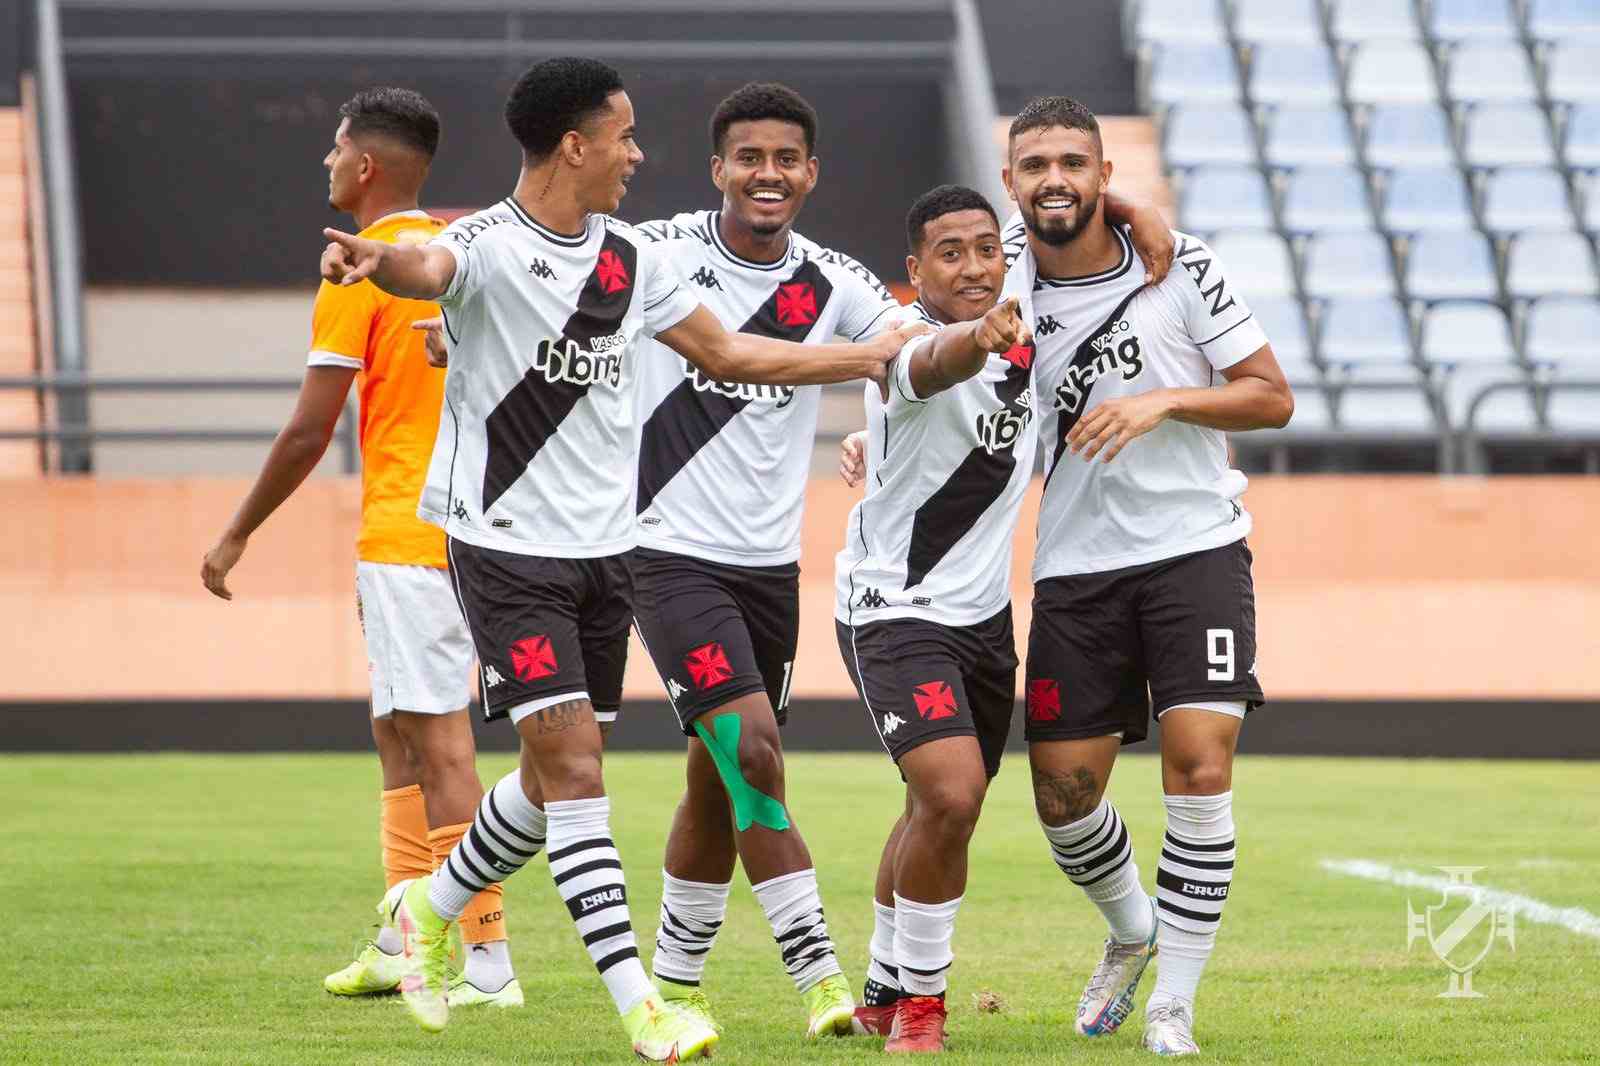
{"points": [[1471, 437]]}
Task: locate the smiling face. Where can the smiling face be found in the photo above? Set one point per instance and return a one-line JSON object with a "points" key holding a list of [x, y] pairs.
{"points": [[765, 174], [1056, 175], [959, 268], [345, 163], [610, 155]]}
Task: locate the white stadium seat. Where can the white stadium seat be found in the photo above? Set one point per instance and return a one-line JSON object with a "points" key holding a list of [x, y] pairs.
{"points": [[1182, 21], [1472, 20], [1278, 21], [1393, 73], [1426, 199], [1372, 20], [1507, 135], [1582, 139], [1550, 264], [1219, 133], [1312, 411], [1574, 412], [1281, 318], [1564, 330], [1489, 72], [1409, 135], [1298, 136], [1321, 198], [1502, 411], [1466, 332], [1365, 330], [1394, 409], [1573, 71], [1293, 74], [1564, 20], [1219, 197], [1259, 262], [1525, 198], [1193, 74], [1451, 266], [1349, 264]]}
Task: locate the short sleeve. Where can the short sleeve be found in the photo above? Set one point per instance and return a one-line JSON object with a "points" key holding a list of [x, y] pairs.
{"points": [[901, 393], [1215, 314], [461, 240], [341, 321], [667, 301], [869, 307]]}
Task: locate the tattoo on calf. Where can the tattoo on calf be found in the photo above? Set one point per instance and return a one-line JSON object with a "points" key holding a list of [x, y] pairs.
{"points": [[561, 717], [1065, 797]]}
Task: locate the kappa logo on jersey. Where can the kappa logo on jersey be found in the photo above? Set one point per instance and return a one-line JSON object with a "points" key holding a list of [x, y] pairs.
{"points": [[1114, 350], [797, 304], [891, 722], [567, 361], [706, 278], [708, 666], [611, 272], [491, 677], [1196, 259], [1044, 700], [872, 598], [1003, 428], [934, 701], [780, 395], [533, 658], [1046, 325], [541, 270]]}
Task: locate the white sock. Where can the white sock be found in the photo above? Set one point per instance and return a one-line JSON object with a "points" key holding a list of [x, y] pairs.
{"points": [[389, 940], [883, 975], [922, 933], [588, 873], [489, 964], [507, 831], [1096, 854], [691, 914], [795, 910], [1192, 882]]}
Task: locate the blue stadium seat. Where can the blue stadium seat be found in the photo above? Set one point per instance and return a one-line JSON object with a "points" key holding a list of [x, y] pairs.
{"points": [[1574, 412], [1472, 20], [1348, 264], [1372, 20], [1502, 411], [1582, 136], [1284, 322], [1293, 74], [1180, 21], [1278, 21], [1192, 74], [1364, 330], [1518, 198], [1589, 201], [1451, 265], [1466, 332], [1325, 198], [1219, 197], [1564, 330], [1408, 135], [1312, 411], [1506, 135], [1258, 262], [1573, 71], [1392, 73], [1550, 263], [1482, 71], [1397, 408], [1426, 199], [1564, 20], [1297, 136], [1217, 133]]}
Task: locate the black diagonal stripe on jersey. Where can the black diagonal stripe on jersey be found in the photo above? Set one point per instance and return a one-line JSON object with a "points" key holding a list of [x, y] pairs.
{"points": [[955, 507], [533, 410], [689, 418], [1086, 354]]}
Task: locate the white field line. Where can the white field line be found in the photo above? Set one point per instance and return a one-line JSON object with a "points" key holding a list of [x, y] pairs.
{"points": [[1573, 919]]}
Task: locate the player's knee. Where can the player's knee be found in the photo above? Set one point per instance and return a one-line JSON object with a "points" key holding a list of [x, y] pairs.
{"points": [[950, 809], [571, 775], [761, 763], [1201, 777], [1061, 797]]}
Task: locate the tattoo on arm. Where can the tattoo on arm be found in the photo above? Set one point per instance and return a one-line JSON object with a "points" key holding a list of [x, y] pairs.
{"points": [[1065, 797], [562, 716]]}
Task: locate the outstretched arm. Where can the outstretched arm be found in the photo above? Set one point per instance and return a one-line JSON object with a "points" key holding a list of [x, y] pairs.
{"points": [[745, 357], [960, 350], [1152, 237], [416, 272]]}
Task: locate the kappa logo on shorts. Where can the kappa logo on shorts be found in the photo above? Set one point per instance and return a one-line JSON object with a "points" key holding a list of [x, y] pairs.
{"points": [[934, 701], [491, 677], [533, 658], [891, 722], [708, 666], [1044, 700]]}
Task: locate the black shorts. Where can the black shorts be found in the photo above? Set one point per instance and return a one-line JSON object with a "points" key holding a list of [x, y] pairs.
{"points": [[544, 627], [717, 632], [922, 681], [1105, 648]]}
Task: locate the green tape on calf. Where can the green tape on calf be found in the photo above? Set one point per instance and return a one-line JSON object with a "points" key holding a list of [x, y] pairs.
{"points": [[751, 806]]}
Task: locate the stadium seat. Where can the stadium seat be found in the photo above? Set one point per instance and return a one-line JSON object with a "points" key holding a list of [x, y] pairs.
{"points": [[1506, 135], [1397, 408], [1364, 330], [1451, 265], [1525, 198], [1466, 332], [1348, 264], [1278, 21], [1312, 411], [1574, 412], [1415, 201], [1192, 74], [1564, 20], [1181, 21], [1472, 20], [1589, 202], [1408, 135], [1573, 72], [1325, 198], [1215, 134], [1484, 71], [1283, 321], [1558, 263], [1582, 137], [1258, 262], [1392, 73], [1293, 74], [1298, 136], [1372, 20], [1218, 197], [1502, 411], [1563, 330]]}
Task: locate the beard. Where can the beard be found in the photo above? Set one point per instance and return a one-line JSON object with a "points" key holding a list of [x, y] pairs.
{"points": [[1056, 234]]}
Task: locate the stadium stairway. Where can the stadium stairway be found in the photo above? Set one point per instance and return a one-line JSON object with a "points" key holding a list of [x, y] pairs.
{"points": [[1133, 144], [18, 350]]}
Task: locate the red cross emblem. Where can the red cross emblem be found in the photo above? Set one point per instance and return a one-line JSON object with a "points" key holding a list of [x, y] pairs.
{"points": [[612, 272], [1044, 700], [797, 304], [708, 665], [934, 701], [533, 658], [1020, 356]]}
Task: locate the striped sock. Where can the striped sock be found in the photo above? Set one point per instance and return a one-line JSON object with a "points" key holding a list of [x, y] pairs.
{"points": [[1192, 882], [883, 976], [922, 934], [588, 874], [795, 910], [507, 831], [691, 914], [1096, 854]]}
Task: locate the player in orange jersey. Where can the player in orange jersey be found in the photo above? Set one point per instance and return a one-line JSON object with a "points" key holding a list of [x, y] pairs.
{"points": [[418, 652]]}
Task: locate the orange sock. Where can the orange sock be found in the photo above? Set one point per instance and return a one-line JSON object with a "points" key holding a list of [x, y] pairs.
{"points": [[403, 829], [485, 917]]}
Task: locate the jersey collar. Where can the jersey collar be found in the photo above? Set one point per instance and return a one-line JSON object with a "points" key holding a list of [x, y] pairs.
{"points": [[1042, 282], [565, 240], [714, 228]]}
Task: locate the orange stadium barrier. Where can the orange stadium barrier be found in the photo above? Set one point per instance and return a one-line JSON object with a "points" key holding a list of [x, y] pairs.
{"points": [[1367, 587]]}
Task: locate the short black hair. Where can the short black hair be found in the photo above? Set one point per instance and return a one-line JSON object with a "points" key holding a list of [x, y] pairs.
{"points": [[759, 100], [939, 201], [401, 114], [555, 97], [1046, 111]]}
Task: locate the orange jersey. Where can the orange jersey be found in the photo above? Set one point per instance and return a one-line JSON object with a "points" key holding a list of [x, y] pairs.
{"points": [[362, 327]]}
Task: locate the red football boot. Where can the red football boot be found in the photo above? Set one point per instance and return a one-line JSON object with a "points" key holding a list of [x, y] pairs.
{"points": [[918, 1025], [873, 1021]]}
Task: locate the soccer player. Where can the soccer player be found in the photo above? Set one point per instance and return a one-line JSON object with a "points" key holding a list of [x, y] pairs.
{"points": [[1142, 590], [923, 597], [545, 300], [418, 652]]}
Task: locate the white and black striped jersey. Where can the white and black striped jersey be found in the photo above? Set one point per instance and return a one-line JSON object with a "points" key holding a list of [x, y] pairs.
{"points": [[723, 466], [538, 440], [945, 478], [1171, 491]]}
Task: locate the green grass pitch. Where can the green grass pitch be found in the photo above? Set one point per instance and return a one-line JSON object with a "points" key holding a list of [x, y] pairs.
{"points": [[184, 909]]}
